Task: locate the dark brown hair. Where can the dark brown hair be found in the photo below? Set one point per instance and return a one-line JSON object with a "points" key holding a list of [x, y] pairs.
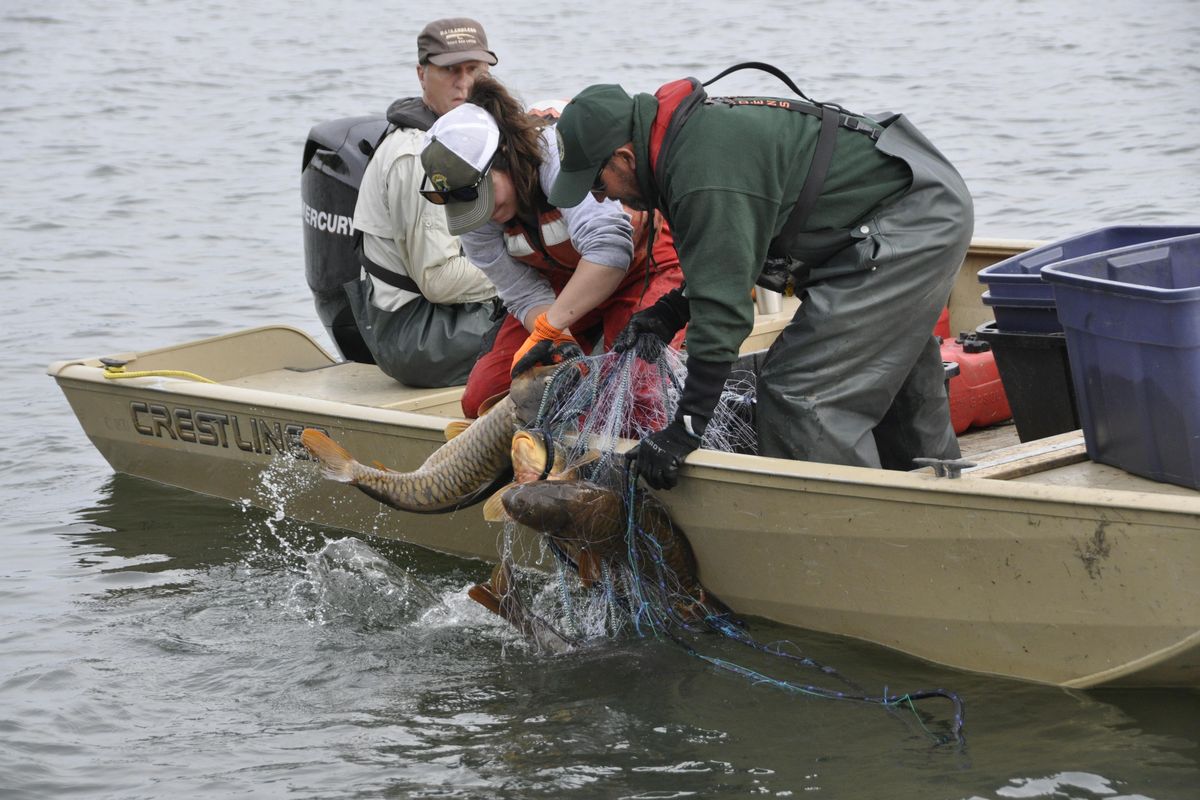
{"points": [[520, 151]]}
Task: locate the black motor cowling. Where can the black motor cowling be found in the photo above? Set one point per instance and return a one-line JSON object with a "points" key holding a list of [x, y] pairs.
{"points": [[335, 157]]}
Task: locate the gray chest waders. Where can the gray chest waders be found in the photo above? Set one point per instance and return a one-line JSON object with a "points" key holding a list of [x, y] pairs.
{"points": [[856, 377]]}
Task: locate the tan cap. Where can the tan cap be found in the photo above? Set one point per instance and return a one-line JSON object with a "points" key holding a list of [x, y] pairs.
{"points": [[453, 41]]}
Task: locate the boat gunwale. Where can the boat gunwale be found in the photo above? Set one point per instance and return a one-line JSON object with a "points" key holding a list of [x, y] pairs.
{"points": [[56, 367], [258, 398], [718, 466], [731, 468]]}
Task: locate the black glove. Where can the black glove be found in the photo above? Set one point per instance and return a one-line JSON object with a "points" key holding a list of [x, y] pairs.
{"points": [[544, 354], [701, 392], [653, 327], [658, 456]]}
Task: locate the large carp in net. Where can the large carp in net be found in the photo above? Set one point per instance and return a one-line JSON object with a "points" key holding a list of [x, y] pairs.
{"points": [[619, 566]]}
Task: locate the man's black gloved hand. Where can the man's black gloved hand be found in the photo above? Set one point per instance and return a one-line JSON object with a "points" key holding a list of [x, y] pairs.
{"points": [[659, 322], [647, 346], [659, 455], [545, 353]]}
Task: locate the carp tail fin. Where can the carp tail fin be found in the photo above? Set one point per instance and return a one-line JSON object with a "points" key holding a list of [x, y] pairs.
{"points": [[336, 462], [485, 595], [491, 593]]}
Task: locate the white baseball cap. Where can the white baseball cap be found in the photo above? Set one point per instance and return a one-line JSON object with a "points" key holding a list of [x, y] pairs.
{"points": [[458, 154]]}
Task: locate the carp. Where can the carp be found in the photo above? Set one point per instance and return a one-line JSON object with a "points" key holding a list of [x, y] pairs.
{"points": [[470, 466], [499, 595], [534, 458], [588, 522]]}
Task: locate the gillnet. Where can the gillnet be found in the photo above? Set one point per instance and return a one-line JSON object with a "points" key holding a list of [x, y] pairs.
{"points": [[619, 563], [621, 395]]}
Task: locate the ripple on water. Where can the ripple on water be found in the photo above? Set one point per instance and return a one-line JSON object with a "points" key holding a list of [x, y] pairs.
{"points": [[172, 644]]}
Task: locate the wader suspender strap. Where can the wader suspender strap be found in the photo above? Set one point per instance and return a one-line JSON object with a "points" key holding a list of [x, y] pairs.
{"points": [[832, 116], [681, 114], [386, 275], [813, 181]]}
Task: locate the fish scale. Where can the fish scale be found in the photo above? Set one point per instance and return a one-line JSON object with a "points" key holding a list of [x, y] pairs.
{"points": [[457, 474]]}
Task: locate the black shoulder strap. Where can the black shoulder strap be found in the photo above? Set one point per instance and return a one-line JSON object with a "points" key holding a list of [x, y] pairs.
{"points": [[768, 68], [814, 181], [771, 69], [810, 190], [382, 273], [682, 112]]}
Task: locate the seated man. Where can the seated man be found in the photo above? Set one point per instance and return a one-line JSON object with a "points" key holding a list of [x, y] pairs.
{"points": [[422, 307]]}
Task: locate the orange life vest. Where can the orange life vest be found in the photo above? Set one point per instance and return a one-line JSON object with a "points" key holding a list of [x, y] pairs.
{"points": [[670, 97], [549, 249]]}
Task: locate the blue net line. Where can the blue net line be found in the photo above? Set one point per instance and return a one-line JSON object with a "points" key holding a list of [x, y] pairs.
{"points": [[597, 411]]}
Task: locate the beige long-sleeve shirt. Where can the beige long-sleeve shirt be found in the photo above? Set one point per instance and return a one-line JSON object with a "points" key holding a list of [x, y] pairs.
{"points": [[406, 234]]}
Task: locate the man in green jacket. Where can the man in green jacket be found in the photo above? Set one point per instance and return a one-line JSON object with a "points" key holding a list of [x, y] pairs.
{"points": [[864, 218]]}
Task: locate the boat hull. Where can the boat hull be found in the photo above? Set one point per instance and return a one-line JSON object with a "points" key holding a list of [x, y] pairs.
{"points": [[1037, 582], [1070, 575]]}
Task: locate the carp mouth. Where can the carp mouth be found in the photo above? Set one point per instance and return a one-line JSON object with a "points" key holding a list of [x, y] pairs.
{"points": [[532, 456]]}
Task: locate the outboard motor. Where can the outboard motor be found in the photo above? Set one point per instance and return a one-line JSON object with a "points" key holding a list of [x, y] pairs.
{"points": [[335, 157]]}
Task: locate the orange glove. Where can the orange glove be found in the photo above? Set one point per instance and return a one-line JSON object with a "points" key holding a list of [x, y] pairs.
{"points": [[543, 330]]}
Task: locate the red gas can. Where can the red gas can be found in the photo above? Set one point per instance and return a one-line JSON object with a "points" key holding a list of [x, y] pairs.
{"points": [[977, 397], [942, 328]]}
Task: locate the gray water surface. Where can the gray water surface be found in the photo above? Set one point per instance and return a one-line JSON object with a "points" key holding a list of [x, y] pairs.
{"points": [[157, 644]]}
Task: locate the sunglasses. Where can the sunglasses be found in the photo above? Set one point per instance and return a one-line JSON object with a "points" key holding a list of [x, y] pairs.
{"points": [[598, 184], [461, 194]]}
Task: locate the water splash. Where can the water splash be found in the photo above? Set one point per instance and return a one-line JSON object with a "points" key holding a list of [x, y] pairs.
{"points": [[344, 581], [349, 583], [1060, 785], [277, 536]]}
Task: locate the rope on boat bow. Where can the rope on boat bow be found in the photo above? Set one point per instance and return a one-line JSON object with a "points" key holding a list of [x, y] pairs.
{"points": [[115, 370]]}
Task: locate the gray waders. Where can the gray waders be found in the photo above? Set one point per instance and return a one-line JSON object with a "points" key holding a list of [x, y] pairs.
{"points": [[856, 377], [421, 344]]}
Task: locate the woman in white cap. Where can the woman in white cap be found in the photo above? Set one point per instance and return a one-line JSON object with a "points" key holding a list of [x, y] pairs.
{"points": [[567, 276]]}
